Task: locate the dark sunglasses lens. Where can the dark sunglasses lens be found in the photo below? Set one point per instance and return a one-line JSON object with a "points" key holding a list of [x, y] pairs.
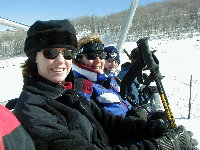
{"points": [[50, 53], [94, 56], [69, 54], [91, 56], [53, 53], [102, 55]]}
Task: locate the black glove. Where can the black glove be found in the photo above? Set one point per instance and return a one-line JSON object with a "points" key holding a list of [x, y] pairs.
{"points": [[176, 139], [149, 90], [156, 128], [159, 115], [160, 76], [138, 112], [11, 104], [144, 76]]}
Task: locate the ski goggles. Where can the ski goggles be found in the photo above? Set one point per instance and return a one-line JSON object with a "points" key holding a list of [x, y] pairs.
{"points": [[53, 53], [93, 56]]}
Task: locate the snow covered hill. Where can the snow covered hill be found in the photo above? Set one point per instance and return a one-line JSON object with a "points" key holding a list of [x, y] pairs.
{"points": [[179, 60]]}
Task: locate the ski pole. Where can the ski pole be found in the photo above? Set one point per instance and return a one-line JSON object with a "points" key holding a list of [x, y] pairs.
{"points": [[153, 67], [164, 99], [125, 51]]}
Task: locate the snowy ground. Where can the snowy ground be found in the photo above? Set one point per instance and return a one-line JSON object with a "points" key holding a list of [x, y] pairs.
{"points": [[179, 60]]}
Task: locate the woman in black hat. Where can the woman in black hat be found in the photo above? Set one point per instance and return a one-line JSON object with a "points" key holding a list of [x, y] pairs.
{"points": [[55, 116]]}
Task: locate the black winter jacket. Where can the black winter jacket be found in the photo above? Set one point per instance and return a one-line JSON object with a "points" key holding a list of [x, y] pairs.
{"points": [[59, 119]]}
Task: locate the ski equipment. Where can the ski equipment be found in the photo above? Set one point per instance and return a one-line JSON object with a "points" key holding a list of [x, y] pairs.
{"points": [[153, 67]]}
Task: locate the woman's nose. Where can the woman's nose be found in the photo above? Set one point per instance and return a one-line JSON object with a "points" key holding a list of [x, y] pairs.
{"points": [[60, 57], [97, 59]]}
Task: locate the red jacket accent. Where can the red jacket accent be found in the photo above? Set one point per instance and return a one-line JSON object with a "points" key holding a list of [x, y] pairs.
{"points": [[67, 85], [12, 134], [8, 122], [87, 87]]}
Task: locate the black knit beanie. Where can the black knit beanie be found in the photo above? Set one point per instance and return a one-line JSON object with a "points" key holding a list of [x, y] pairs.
{"points": [[112, 52], [50, 34]]}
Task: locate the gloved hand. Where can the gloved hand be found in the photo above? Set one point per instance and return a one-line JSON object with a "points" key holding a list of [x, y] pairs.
{"points": [[138, 112], [149, 90], [159, 115], [177, 139], [156, 128]]}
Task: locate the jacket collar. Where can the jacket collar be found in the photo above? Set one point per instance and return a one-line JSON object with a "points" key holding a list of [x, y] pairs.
{"points": [[88, 73], [42, 86]]}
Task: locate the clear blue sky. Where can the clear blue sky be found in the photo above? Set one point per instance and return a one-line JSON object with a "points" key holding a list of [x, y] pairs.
{"points": [[28, 11]]}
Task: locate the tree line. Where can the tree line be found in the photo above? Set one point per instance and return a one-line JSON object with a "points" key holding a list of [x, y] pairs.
{"points": [[11, 43], [168, 19]]}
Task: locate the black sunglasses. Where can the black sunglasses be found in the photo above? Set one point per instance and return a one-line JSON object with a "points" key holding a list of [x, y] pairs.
{"points": [[53, 53], [93, 56]]}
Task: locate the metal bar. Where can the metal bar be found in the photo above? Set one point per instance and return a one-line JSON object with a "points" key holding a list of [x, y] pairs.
{"points": [[13, 24], [189, 111], [127, 24]]}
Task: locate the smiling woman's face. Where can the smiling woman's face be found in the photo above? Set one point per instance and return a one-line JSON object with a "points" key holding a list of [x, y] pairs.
{"points": [[97, 64], [55, 70], [111, 65]]}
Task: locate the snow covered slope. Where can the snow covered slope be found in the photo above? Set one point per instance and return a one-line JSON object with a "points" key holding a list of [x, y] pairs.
{"points": [[179, 59]]}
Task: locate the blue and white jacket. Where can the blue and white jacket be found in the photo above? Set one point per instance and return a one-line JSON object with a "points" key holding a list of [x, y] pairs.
{"points": [[102, 89]]}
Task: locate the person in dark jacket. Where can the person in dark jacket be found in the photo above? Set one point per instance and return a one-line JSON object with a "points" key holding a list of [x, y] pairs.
{"points": [[138, 91], [58, 118], [12, 134]]}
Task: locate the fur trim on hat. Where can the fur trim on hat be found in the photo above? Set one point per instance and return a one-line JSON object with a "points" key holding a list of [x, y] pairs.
{"points": [[52, 39], [49, 34]]}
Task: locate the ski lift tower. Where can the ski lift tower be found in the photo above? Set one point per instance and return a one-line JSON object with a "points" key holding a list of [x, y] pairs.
{"points": [[127, 24]]}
